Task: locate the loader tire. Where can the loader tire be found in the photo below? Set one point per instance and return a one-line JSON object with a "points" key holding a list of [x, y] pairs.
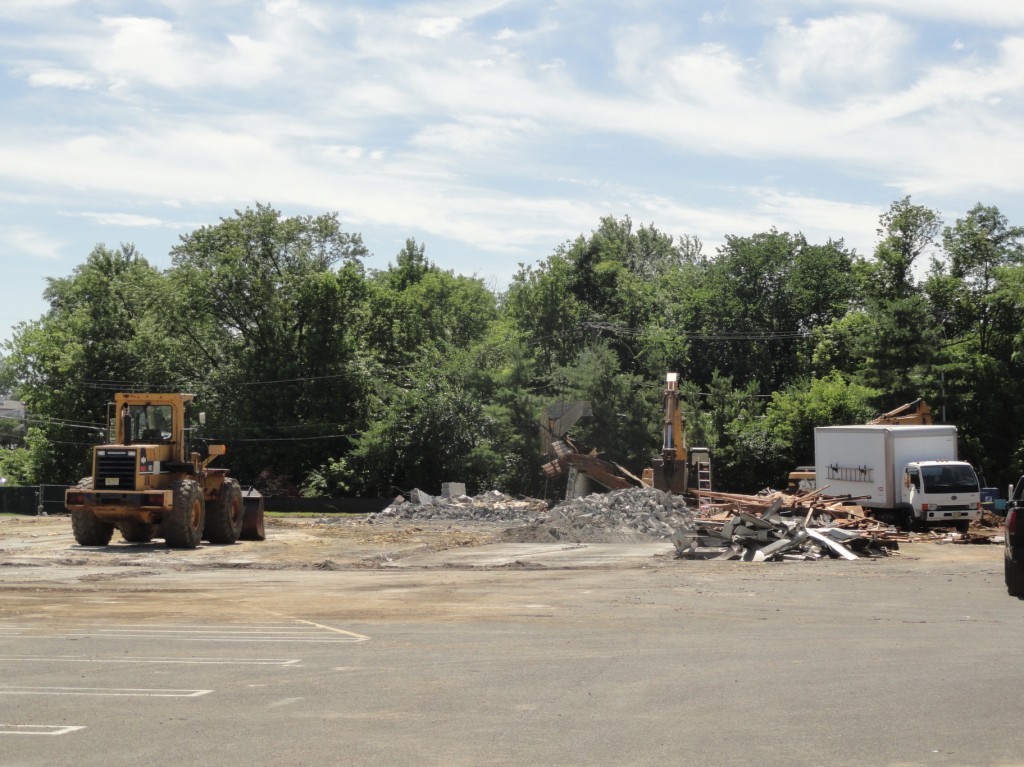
{"points": [[137, 532], [224, 516], [183, 525], [88, 529]]}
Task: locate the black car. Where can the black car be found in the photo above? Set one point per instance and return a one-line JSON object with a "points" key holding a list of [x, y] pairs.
{"points": [[1013, 561]]}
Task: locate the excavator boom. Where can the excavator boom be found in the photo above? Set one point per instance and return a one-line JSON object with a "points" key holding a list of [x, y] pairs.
{"points": [[913, 413]]}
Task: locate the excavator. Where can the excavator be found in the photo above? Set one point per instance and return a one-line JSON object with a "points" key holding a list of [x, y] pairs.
{"points": [[680, 469], [916, 413]]}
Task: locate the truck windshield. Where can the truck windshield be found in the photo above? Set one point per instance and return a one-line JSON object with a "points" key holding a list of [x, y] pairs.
{"points": [[949, 479]]}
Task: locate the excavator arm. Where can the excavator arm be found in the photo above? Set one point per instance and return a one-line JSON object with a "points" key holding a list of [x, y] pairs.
{"points": [[913, 413]]}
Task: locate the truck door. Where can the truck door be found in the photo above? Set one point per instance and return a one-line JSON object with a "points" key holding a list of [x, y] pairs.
{"points": [[1018, 493], [911, 485]]}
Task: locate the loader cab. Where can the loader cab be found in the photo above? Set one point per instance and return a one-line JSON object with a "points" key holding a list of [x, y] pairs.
{"points": [[147, 423], [152, 419]]}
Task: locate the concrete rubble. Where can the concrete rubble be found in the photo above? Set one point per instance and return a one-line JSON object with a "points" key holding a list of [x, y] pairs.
{"points": [[619, 516], [492, 506], [772, 527]]}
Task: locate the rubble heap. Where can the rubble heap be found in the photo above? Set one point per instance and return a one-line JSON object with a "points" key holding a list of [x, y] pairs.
{"points": [[492, 506], [770, 527], [778, 527], [619, 516]]}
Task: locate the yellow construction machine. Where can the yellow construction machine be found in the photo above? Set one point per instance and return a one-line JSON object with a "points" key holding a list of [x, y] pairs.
{"points": [[680, 469], [916, 413], [148, 483]]}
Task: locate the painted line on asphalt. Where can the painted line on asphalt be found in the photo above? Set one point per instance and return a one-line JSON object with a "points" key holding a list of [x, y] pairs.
{"points": [[181, 661], [117, 692], [209, 630], [214, 638], [39, 729], [297, 630], [353, 634]]}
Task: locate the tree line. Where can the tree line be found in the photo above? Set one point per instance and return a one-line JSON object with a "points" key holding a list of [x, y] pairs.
{"points": [[324, 376]]}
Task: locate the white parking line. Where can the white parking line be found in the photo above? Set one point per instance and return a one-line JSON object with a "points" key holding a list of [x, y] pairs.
{"points": [[105, 692], [216, 638], [308, 632], [38, 729], [181, 661]]}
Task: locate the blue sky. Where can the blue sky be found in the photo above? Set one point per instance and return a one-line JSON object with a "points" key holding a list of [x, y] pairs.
{"points": [[491, 130]]}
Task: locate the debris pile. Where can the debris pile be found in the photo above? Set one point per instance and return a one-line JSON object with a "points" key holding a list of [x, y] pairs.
{"points": [[774, 538], [620, 516], [492, 506], [778, 527], [769, 527]]}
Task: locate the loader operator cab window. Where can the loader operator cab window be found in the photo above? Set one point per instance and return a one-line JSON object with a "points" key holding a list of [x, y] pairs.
{"points": [[150, 423]]}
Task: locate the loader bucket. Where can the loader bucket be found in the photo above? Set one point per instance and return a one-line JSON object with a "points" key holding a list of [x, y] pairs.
{"points": [[252, 522]]}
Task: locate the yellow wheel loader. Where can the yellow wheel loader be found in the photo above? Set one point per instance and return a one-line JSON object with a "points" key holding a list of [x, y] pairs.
{"points": [[149, 484]]}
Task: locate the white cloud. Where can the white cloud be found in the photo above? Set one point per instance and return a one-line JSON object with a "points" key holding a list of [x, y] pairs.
{"points": [[475, 136], [152, 51], [127, 220], [31, 242], [27, 9], [53, 77], [997, 13], [438, 28], [841, 53], [414, 118]]}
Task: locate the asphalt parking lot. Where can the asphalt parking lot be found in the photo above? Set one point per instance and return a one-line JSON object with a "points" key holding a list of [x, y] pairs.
{"points": [[491, 655]]}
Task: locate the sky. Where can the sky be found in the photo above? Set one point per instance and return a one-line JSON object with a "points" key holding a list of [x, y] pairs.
{"points": [[492, 131]]}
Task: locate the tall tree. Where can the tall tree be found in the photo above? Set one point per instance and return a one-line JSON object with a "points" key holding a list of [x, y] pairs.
{"points": [[906, 231], [271, 306], [978, 245], [97, 336]]}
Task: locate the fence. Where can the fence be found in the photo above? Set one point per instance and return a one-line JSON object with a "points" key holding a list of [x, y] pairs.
{"points": [[49, 499], [45, 499]]}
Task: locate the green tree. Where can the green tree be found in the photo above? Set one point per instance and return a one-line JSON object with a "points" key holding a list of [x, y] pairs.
{"points": [[271, 307], [756, 307], [429, 431], [97, 335], [906, 231], [414, 306], [978, 245]]}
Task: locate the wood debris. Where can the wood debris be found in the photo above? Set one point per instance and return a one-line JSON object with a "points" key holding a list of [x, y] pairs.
{"points": [[780, 527]]}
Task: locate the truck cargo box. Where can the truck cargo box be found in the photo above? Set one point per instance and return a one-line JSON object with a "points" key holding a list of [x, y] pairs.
{"points": [[868, 461]]}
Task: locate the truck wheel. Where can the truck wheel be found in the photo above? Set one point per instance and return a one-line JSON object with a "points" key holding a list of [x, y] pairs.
{"points": [[907, 520], [1013, 573], [183, 525], [89, 530], [136, 532], [963, 525], [224, 516]]}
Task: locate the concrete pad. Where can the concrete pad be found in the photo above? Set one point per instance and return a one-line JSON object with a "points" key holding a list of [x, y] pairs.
{"points": [[558, 555]]}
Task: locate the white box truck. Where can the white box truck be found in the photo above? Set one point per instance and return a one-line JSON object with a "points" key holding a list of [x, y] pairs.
{"points": [[908, 476]]}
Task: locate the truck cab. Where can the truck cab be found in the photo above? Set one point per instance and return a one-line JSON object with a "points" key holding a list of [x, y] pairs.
{"points": [[942, 492]]}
